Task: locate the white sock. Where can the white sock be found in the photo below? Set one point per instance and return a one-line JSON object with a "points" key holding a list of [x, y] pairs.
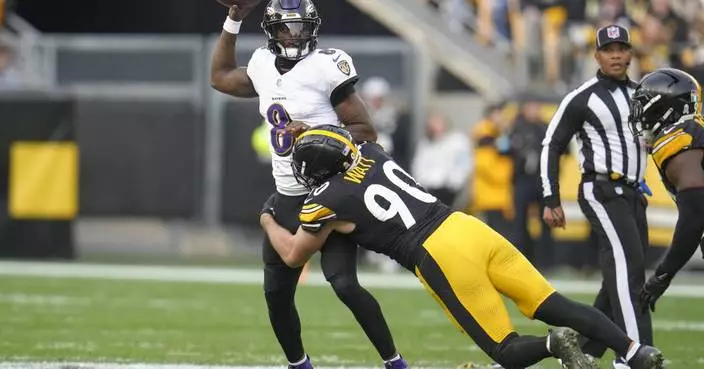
{"points": [[305, 357], [632, 351], [547, 343], [398, 356]]}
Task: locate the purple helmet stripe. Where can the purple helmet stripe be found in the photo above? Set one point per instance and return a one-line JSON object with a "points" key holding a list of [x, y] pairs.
{"points": [[290, 4]]}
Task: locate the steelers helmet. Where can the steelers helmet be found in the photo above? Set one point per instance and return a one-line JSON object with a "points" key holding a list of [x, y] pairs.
{"points": [[661, 99], [320, 153]]}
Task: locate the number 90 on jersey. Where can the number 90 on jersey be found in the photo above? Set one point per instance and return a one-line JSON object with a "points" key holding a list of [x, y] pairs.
{"points": [[281, 140]]}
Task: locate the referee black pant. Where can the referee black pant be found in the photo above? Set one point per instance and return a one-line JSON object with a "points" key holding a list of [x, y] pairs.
{"points": [[617, 216]]}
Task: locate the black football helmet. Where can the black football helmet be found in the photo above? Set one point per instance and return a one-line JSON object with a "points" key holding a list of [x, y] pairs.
{"points": [[291, 27], [661, 99], [322, 152]]}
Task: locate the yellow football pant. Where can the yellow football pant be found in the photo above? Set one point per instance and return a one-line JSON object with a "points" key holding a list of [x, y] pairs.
{"points": [[468, 266]]}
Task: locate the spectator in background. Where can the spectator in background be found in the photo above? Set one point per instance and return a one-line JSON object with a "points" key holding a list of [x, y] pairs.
{"points": [[542, 21], [442, 161], [660, 36], [2, 13], [526, 137], [580, 34], [500, 13], [613, 12], [375, 92], [456, 13], [491, 180], [10, 77], [695, 61]]}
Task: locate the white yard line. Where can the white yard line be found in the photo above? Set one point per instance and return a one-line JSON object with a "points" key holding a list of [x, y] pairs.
{"points": [[401, 280], [78, 365]]}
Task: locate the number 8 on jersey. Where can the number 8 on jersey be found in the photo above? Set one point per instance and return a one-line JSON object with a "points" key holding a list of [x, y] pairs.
{"points": [[281, 141]]}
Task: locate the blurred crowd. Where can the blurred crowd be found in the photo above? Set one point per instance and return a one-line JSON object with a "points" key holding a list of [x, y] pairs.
{"points": [[556, 37], [11, 63]]}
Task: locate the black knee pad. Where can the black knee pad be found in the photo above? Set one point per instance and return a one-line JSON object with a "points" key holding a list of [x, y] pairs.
{"points": [[345, 286], [280, 283]]}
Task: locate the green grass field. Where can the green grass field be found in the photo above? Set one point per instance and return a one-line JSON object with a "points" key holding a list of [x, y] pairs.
{"points": [[103, 320]]}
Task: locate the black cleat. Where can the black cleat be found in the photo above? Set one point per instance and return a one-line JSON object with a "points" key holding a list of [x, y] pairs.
{"points": [[647, 357], [564, 344]]}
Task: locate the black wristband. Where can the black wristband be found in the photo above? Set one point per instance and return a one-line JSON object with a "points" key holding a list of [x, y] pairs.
{"points": [[552, 201]]}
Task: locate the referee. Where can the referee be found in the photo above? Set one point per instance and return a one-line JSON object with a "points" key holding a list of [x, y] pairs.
{"points": [[612, 162]]}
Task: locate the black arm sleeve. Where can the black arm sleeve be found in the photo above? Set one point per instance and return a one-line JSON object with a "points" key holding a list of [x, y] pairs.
{"points": [[688, 232], [343, 91], [564, 124]]}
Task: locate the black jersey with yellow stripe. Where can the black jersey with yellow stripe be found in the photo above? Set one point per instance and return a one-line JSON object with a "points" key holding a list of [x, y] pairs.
{"points": [[685, 135], [392, 212]]}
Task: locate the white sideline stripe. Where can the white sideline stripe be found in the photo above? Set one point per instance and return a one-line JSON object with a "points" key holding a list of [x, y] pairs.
{"points": [[69, 365], [256, 276]]}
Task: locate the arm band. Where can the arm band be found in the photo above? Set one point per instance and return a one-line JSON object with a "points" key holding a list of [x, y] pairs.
{"points": [[231, 26]]}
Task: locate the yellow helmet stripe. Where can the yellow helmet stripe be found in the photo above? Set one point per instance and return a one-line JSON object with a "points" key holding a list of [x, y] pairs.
{"points": [[333, 135]]}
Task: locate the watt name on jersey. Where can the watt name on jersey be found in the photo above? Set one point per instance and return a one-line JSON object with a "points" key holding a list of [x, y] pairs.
{"points": [[393, 213], [302, 94]]}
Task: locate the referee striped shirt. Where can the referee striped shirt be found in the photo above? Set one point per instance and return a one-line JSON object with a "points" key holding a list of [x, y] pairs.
{"points": [[597, 112]]}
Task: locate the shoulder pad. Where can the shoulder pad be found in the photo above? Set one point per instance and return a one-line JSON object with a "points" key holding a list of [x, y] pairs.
{"points": [[686, 135], [337, 66]]}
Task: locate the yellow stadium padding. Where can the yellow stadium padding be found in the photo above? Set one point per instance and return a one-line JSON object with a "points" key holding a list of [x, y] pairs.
{"points": [[43, 180]]}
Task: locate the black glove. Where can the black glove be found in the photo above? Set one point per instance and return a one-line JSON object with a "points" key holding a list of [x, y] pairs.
{"points": [[653, 289], [268, 207]]}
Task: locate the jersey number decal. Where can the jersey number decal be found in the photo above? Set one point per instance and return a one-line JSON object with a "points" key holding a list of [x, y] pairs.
{"points": [[281, 141], [395, 206]]}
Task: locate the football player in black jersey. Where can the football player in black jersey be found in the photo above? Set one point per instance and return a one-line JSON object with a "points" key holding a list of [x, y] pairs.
{"points": [[666, 109], [463, 263]]}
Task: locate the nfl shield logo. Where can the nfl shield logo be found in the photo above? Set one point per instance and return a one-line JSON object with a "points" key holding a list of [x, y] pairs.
{"points": [[613, 32]]}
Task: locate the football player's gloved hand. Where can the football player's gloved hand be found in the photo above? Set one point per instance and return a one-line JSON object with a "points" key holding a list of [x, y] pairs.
{"points": [[268, 207], [654, 287]]}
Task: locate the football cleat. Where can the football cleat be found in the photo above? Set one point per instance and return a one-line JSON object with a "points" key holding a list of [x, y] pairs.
{"points": [[306, 364], [396, 364], [647, 357], [564, 344], [399, 363]]}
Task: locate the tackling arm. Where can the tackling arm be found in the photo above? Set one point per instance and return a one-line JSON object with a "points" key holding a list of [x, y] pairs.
{"points": [[296, 249]]}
